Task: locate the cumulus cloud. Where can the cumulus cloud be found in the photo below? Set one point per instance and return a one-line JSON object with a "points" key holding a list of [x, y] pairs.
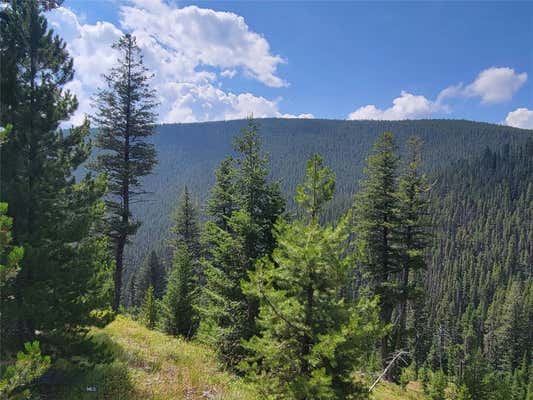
{"points": [[492, 85], [188, 49], [520, 118], [407, 106]]}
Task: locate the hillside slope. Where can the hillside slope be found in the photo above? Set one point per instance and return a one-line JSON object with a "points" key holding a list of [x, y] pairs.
{"points": [[189, 153], [152, 366]]}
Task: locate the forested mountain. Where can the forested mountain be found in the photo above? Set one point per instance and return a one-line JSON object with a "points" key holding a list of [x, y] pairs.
{"points": [[189, 153], [473, 324], [480, 276]]}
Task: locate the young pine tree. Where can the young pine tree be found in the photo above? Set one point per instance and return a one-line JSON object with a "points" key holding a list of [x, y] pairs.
{"points": [[177, 314], [311, 341], [377, 226], [149, 309], [55, 216], [125, 119], [243, 211]]}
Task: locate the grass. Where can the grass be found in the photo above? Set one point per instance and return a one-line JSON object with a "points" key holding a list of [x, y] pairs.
{"points": [[150, 365], [389, 391]]}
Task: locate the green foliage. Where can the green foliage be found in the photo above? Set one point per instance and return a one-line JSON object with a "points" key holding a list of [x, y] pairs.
{"points": [[437, 385], [56, 217], [10, 257], [289, 143], [311, 341], [407, 375], [377, 223], [186, 230], [234, 242], [149, 309], [177, 316], [18, 379], [152, 273], [125, 118]]}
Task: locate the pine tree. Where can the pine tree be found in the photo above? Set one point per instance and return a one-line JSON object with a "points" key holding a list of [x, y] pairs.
{"points": [[376, 228], [177, 314], [311, 340], [222, 201], [243, 210], [149, 309], [185, 229], [413, 233], [125, 119], [55, 216]]}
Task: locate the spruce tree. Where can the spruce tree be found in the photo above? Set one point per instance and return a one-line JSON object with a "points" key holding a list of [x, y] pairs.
{"points": [[310, 340], [186, 230], [149, 309], [177, 314], [55, 216], [413, 234], [125, 118], [243, 211], [377, 227], [222, 201]]}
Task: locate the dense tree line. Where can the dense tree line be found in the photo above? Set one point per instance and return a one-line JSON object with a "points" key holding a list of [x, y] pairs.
{"points": [[477, 318]]}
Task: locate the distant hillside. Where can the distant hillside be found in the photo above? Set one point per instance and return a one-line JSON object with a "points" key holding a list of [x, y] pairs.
{"points": [[188, 154]]}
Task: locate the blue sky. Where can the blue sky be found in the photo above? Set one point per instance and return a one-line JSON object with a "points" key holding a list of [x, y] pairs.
{"points": [[325, 59]]}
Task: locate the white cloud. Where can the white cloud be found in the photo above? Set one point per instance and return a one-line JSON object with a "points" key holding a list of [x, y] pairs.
{"points": [[188, 49], [205, 37], [520, 118], [301, 116], [492, 85], [407, 106]]}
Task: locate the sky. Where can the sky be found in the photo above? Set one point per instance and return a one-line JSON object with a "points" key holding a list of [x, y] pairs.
{"points": [[217, 60]]}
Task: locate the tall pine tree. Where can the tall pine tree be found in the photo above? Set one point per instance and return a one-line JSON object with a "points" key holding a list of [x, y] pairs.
{"points": [[413, 234], [376, 228], [243, 212], [55, 217], [125, 118]]}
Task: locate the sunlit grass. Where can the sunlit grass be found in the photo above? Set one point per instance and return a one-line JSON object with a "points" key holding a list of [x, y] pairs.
{"points": [[388, 391], [151, 365]]}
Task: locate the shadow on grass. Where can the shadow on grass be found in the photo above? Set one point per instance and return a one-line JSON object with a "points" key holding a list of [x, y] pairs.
{"points": [[101, 375]]}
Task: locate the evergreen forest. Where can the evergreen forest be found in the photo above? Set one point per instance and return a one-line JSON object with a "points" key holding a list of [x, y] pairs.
{"points": [[277, 259]]}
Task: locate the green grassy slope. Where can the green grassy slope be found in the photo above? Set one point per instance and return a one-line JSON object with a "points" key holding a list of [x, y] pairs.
{"points": [[152, 366]]}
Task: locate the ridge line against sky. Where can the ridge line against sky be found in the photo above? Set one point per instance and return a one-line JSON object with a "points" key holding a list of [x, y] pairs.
{"points": [[221, 61]]}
